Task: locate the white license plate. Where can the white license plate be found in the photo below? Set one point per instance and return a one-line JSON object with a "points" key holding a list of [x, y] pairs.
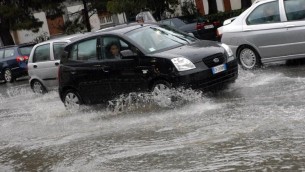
{"points": [[209, 26], [219, 68]]}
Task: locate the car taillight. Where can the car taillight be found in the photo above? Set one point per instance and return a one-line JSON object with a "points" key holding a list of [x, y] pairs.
{"points": [[216, 23], [22, 58], [200, 26]]}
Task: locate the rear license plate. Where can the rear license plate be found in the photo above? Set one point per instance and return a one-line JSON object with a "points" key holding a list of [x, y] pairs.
{"points": [[219, 68], [209, 26]]}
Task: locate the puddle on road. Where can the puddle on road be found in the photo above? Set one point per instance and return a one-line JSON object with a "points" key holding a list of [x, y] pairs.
{"points": [[254, 124]]}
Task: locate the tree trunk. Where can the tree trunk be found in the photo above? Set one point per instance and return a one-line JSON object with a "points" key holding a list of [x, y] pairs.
{"points": [[86, 16], [5, 34], [212, 6], [246, 4]]}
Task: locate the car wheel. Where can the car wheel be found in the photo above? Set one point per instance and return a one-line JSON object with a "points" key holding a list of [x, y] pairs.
{"points": [[72, 100], [249, 59], [161, 92], [8, 76], [37, 87]]}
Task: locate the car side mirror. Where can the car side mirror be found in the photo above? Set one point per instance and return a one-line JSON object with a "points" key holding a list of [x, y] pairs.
{"points": [[128, 54]]}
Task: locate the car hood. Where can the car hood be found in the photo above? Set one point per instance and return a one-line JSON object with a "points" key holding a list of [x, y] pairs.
{"points": [[195, 52]]}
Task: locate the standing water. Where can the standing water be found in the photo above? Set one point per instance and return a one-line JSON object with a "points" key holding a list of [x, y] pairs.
{"points": [[255, 124]]}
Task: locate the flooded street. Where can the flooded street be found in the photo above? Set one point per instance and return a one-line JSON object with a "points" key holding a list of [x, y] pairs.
{"points": [[257, 124]]}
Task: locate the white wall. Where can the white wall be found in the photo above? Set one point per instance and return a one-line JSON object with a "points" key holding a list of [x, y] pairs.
{"points": [[235, 4], [28, 36], [122, 18], [206, 6], [220, 5]]}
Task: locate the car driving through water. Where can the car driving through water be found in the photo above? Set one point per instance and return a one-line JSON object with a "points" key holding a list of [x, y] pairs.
{"points": [[140, 57]]}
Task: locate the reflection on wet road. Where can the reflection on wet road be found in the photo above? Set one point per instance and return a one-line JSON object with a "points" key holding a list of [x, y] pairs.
{"points": [[257, 123]]}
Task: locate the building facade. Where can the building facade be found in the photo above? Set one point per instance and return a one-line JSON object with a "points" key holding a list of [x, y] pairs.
{"points": [[51, 29]]}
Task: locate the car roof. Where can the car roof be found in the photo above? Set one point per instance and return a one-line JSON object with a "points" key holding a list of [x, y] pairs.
{"points": [[62, 39], [117, 30], [19, 45]]}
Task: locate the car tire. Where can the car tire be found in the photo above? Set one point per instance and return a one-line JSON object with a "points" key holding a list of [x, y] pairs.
{"points": [[161, 93], [38, 88], [8, 76], [249, 58], [72, 100]]}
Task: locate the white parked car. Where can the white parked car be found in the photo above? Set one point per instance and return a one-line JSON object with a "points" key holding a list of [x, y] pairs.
{"points": [[44, 62], [268, 31]]}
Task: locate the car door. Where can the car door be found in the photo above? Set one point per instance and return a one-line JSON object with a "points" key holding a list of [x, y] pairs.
{"points": [[295, 26], [42, 64], [89, 71], [263, 29], [57, 49], [125, 73]]}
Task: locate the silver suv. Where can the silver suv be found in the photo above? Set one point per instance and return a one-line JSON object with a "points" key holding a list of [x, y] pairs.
{"points": [[268, 31], [43, 64]]}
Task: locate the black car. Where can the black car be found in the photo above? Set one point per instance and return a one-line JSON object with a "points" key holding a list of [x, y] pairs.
{"points": [[13, 61], [201, 28], [151, 57]]}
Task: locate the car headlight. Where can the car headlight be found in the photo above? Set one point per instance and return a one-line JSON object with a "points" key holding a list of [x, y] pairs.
{"points": [[228, 49], [183, 64]]}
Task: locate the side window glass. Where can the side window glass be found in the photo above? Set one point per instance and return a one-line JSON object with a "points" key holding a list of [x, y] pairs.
{"points": [[87, 50], [264, 14], [112, 47], [295, 9], [1, 54], [58, 49], [42, 53], [9, 53]]}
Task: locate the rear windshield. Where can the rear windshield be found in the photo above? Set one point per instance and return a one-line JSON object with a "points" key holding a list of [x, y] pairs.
{"points": [[26, 51]]}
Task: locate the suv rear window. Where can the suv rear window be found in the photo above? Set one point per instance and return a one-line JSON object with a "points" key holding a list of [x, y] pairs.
{"points": [[26, 51]]}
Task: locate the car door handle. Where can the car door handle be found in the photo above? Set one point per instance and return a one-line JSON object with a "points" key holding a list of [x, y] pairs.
{"points": [[105, 68], [35, 66], [56, 64]]}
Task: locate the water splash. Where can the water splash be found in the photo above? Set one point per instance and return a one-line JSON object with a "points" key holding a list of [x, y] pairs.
{"points": [[168, 99]]}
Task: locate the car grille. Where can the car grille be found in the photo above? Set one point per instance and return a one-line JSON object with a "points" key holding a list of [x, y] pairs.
{"points": [[214, 60]]}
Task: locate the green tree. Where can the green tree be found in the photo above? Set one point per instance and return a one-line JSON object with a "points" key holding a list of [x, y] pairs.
{"points": [[18, 14], [160, 6], [246, 4], [188, 8], [213, 6], [130, 7]]}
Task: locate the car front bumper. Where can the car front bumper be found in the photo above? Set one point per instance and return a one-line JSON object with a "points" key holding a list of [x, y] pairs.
{"points": [[205, 79]]}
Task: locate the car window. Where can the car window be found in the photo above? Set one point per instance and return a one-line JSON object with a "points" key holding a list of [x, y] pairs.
{"points": [[112, 46], [265, 13], [1, 54], [153, 38], [58, 49], [26, 50], [84, 51], [42, 53], [168, 22], [9, 52], [295, 9]]}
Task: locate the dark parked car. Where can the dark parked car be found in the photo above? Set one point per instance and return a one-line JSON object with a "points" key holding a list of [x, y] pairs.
{"points": [[201, 28], [151, 57], [13, 61]]}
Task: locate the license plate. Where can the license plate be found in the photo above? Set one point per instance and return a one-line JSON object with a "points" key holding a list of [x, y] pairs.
{"points": [[219, 68], [209, 26]]}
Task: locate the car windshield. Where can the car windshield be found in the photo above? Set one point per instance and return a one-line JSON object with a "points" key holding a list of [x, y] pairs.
{"points": [[158, 38], [25, 50]]}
